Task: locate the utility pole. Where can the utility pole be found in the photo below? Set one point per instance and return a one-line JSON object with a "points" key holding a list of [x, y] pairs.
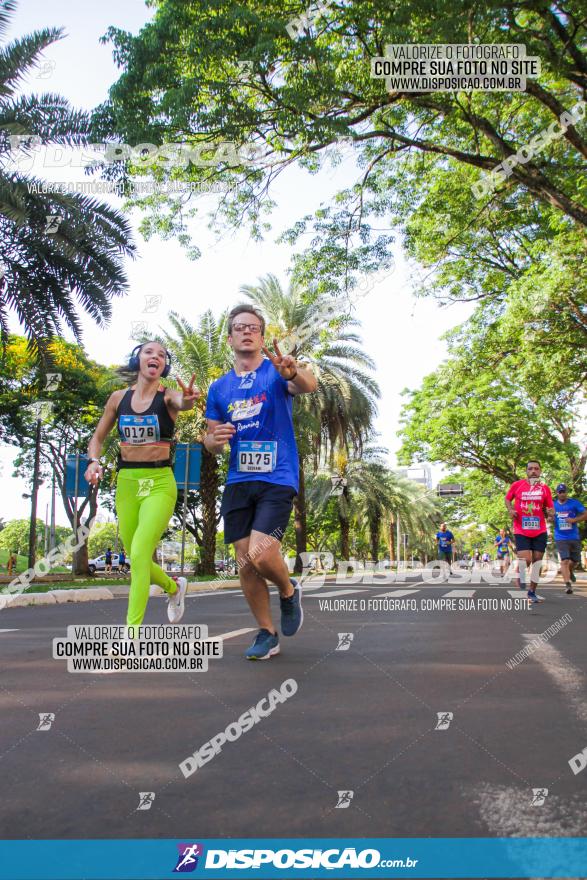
{"points": [[35, 490]]}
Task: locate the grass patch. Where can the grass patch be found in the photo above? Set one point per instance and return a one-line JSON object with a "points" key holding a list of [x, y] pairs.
{"points": [[22, 563], [97, 582]]}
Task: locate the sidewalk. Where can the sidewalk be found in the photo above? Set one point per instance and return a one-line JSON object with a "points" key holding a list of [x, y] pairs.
{"points": [[196, 587]]}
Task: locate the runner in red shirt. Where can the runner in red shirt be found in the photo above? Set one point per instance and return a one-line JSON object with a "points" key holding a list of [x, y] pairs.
{"points": [[531, 498]]}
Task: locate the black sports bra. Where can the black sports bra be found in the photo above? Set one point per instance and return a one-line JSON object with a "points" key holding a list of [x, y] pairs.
{"points": [[146, 436]]}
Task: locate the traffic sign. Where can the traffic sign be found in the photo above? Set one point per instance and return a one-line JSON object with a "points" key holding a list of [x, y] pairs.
{"points": [[449, 489], [187, 465], [76, 485]]}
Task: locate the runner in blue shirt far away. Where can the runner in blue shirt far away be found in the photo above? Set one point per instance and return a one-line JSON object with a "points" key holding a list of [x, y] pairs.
{"points": [[567, 513]]}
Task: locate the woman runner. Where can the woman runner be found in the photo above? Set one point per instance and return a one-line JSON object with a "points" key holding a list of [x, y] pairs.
{"points": [[146, 490]]}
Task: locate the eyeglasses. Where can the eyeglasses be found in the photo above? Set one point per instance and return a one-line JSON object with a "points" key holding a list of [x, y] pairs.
{"points": [[254, 328]]}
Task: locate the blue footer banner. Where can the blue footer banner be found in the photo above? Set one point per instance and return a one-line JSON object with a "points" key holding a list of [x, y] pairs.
{"points": [[294, 857]]}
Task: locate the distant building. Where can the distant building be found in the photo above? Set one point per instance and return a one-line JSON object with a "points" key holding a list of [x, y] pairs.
{"points": [[419, 473]]}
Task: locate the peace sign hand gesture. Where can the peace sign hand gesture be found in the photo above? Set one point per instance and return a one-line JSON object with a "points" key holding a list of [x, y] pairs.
{"points": [[190, 394], [285, 365]]}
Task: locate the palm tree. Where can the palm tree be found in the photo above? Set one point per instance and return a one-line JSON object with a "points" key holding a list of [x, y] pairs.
{"points": [[419, 513], [202, 350], [341, 411], [58, 251], [371, 495]]}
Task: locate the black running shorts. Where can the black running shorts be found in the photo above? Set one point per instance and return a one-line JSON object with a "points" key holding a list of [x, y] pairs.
{"points": [[537, 543], [255, 505]]}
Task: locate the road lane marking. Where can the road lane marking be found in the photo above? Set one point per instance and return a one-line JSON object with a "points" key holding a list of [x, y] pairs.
{"points": [[230, 635], [508, 811], [459, 594], [218, 592], [397, 593], [9, 630], [329, 593], [567, 677]]}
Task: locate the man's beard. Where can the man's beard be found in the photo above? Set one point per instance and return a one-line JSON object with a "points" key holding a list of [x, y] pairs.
{"points": [[533, 480]]}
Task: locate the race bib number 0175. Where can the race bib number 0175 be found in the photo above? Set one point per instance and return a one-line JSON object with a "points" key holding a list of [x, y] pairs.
{"points": [[256, 457], [138, 430]]}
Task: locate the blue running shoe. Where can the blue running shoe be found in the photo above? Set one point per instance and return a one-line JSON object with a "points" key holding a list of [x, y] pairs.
{"points": [[266, 644], [534, 598], [292, 614]]}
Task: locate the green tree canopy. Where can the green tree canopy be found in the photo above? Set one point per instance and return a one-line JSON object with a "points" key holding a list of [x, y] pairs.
{"points": [[227, 72]]}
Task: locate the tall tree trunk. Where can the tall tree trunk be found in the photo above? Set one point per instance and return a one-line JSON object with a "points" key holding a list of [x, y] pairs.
{"points": [[209, 495], [345, 540], [374, 532], [392, 556], [300, 520], [80, 557], [34, 492]]}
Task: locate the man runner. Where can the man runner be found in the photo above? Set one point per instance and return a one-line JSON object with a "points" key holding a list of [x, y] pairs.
{"points": [[445, 540], [251, 408], [531, 499], [567, 513], [502, 543]]}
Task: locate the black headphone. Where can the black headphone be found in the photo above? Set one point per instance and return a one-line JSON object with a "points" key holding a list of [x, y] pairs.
{"points": [[134, 363]]}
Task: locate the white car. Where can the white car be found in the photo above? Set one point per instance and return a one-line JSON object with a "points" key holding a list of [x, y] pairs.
{"points": [[99, 563]]}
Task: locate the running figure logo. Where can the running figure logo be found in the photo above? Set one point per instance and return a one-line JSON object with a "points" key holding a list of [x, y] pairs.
{"points": [[46, 719], [145, 486], [338, 485], [344, 800], [46, 69], [137, 328], [248, 379], [52, 223], [344, 641], [539, 795], [41, 409], [187, 861], [444, 719], [152, 303], [52, 381], [146, 799]]}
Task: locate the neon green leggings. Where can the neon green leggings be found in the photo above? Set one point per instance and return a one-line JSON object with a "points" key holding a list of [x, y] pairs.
{"points": [[145, 501]]}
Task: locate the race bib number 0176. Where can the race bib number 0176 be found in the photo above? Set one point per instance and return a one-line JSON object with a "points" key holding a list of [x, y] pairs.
{"points": [[138, 430], [256, 457]]}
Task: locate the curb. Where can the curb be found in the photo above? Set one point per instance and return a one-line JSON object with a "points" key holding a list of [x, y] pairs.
{"points": [[55, 597]]}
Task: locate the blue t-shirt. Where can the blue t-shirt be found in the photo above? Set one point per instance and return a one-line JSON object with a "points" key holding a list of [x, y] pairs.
{"points": [[260, 407], [564, 531], [503, 544], [444, 539]]}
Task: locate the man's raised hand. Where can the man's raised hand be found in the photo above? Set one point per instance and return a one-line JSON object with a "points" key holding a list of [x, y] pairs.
{"points": [[285, 365]]}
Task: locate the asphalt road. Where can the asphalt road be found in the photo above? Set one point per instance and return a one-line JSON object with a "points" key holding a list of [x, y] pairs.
{"points": [[363, 720]]}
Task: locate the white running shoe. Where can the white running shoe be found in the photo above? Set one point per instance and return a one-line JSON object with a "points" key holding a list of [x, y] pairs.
{"points": [[176, 602]]}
